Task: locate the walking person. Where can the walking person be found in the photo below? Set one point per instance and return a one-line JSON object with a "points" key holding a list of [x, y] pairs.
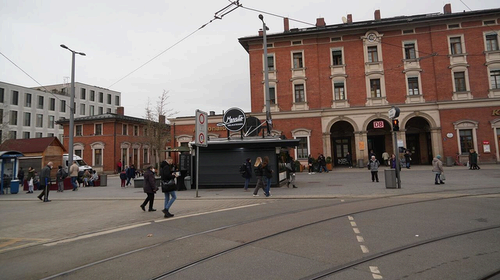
{"points": [[45, 182], [30, 178], [20, 176], [150, 189], [407, 158], [385, 157], [473, 160], [268, 174], [348, 157], [86, 178], [167, 174], [437, 168], [130, 174], [290, 172], [123, 178], [322, 163], [258, 174], [373, 167], [119, 166], [73, 173], [247, 174], [60, 175], [310, 162]]}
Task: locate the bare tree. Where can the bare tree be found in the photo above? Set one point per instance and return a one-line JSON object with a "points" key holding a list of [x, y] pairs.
{"points": [[157, 130], [4, 124]]}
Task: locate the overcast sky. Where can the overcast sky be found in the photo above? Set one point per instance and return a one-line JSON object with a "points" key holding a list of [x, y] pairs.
{"points": [[208, 71]]}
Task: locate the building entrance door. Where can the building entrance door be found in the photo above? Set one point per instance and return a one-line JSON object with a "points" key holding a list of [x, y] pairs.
{"points": [[340, 148], [377, 145]]}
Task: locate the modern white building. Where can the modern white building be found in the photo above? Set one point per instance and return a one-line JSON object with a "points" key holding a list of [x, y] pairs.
{"points": [[32, 112]]}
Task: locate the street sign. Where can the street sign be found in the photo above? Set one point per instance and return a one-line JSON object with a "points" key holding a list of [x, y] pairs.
{"points": [[394, 112], [201, 128], [378, 124]]}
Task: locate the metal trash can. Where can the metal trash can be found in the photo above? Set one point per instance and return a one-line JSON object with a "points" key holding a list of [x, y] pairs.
{"points": [[104, 180], [449, 161], [361, 163], [187, 182], [390, 178], [14, 186]]}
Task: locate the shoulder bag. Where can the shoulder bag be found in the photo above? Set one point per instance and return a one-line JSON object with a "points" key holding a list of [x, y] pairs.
{"points": [[168, 186]]}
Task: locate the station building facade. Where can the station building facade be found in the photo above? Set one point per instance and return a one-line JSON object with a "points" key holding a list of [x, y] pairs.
{"points": [[331, 86]]}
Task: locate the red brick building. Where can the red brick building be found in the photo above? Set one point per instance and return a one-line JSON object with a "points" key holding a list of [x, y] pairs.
{"points": [[103, 140], [331, 86]]}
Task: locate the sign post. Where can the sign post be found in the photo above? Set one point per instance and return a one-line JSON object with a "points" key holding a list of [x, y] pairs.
{"points": [[201, 129], [393, 114]]}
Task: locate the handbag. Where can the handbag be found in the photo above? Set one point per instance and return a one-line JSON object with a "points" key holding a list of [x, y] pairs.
{"points": [[168, 186], [442, 177]]}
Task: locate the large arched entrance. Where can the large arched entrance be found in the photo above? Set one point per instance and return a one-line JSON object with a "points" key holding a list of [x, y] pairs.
{"points": [[418, 140], [342, 137], [379, 137]]}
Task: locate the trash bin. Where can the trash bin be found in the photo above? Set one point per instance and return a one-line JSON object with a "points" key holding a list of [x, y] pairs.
{"points": [[390, 178], [187, 182], [14, 186], [104, 180], [449, 161], [361, 163]]}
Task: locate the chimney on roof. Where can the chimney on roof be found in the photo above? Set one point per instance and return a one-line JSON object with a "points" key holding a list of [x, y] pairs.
{"points": [[286, 25], [320, 22], [377, 14], [161, 119], [349, 18], [120, 111], [447, 9], [261, 33]]}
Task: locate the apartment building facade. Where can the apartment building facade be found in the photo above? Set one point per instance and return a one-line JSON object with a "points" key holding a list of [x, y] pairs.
{"points": [[331, 86]]}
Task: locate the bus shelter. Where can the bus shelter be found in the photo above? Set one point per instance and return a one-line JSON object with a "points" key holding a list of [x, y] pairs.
{"points": [[8, 168]]}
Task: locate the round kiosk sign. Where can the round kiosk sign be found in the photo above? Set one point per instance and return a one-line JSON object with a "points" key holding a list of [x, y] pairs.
{"points": [[234, 119]]}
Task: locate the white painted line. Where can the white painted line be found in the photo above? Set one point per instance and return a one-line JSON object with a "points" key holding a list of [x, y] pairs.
{"points": [[356, 230], [353, 224], [204, 213], [374, 269], [351, 218], [376, 276], [360, 238], [95, 234], [364, 249]]}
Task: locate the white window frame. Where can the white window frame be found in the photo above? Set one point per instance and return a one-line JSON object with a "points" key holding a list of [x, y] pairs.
{"points": [[302, 133], [466, 125]]}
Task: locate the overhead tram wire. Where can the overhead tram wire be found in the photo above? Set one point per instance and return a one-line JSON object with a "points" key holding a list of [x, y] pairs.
{"points": [[218, 15], [271, 14]]}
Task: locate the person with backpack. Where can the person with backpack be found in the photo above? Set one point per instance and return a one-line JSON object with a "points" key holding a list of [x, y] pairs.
{"points": [[290, 172], [258, 174], [373, 167], [246, 172], [60, 176]]}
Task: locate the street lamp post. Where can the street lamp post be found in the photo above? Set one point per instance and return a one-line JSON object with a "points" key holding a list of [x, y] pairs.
{"points": [[71, 104], [266, 76]]}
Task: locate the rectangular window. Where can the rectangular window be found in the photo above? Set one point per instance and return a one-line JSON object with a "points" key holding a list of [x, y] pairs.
{"points": [[100, 110], [91, 110], [338, 88], [2, 93], [40, 102], [50, 134], [97, 157], [15, 98], [109, 98], [466, 141], [26, 135], [108, 110], [410, 51], [145, 155], [136, 130], [63, 106], [1, 119], [298, 42], [373, 54], [39, 120], [38, 135], [78, 152], [27, 100], [13, 118], [83, 94], [101, 97], [124, 129], [117, 100], [337, 57], [82, 109], [98, 129], [78, 130], [297, 60], [459, 81], [302, 151], [52, 104], [492, 42], [270, 62], [408, 31], [375, 88], [495, 79], [51, 122], [12, 135], [335, 39], [272, 95], [92, 95], [299, 93], [27, 119], [453, 26], [456, 45], [413, 86]]}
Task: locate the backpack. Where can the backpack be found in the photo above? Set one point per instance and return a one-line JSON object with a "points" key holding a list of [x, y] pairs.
{"points": [[64, 174], [243, 169]]}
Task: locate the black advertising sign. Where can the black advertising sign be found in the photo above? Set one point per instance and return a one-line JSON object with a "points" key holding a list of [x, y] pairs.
{"points": [[234, 119]]}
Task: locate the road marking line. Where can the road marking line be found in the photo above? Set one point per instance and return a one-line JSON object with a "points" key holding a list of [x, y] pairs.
{"points": [[376, 276], [360, 238], [350, 218], [353, 224], [9, 242], [374, 269], [356, 230], [209, 212], [364, 249]]}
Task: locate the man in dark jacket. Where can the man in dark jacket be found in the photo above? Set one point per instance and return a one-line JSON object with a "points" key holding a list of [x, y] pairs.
{"points": [[248, 173], [45, 182], [130, 174], [149, 188]]}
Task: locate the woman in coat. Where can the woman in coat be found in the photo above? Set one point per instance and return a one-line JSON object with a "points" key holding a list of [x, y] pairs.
{"points": [[149, 188], [30, 179], [167, 174], [258, 173], [248, 172], [268, 174], [437, 168]]}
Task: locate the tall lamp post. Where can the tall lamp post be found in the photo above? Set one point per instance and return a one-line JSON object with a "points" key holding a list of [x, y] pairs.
{"points": [[266, 76], [71, 104]]}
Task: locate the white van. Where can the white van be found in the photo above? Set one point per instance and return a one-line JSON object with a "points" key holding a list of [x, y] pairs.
{"points": [[82, 165]]}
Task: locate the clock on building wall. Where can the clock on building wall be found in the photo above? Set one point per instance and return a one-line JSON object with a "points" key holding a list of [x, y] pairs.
{"points": [[372, 37]]}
